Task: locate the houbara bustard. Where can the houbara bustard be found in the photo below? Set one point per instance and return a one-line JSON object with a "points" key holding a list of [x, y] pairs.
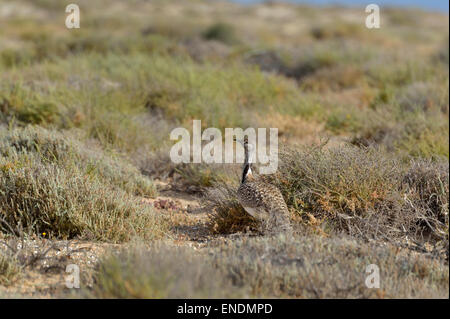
{"points": [[260, 199]]}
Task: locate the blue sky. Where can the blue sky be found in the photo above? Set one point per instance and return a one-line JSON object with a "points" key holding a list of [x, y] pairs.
{"points": [[433, 5]]}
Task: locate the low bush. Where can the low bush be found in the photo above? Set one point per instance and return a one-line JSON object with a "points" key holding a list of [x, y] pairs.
{"points": [[363, 192], [50, 184]]}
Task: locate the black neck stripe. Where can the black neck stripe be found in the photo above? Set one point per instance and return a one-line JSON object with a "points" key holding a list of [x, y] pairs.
{"points": [[245, 171]]}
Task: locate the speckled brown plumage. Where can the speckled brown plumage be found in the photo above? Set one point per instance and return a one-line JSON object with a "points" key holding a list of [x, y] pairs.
{"points": [[262, 200]]}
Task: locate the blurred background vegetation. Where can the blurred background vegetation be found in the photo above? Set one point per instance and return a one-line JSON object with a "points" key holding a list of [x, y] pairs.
{"points": [[311, 71]]}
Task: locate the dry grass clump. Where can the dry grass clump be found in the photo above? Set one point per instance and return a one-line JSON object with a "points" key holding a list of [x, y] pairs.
{"points": [[367, 192], [411, 120], [337, 30], [427, 97], [202, 50], [317, 267], [67, 204], [226, 214], [160, 272], [361, 191], [418, 136], [269, 267], [9, 269], [426, 186], [335, 78], [47, 186]]}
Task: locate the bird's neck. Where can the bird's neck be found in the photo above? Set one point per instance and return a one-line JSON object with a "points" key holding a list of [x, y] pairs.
{"points": [[247, 168], [246, 172]]}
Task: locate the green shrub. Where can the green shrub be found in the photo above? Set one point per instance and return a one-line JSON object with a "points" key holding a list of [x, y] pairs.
{"points": [[65, 151], [221, 32], [51, 185]]}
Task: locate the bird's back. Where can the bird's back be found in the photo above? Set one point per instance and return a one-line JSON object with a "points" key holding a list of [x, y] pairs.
{"points": [[264, 201]]}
